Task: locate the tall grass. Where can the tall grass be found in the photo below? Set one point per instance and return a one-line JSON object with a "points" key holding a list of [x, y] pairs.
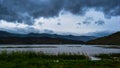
{"points": [[4, 55], [21, 59]]}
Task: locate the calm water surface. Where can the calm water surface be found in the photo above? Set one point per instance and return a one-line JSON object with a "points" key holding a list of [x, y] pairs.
{"points": [[55, 49]]}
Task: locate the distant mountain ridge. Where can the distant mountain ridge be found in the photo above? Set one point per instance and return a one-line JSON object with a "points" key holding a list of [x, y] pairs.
{"points": [[11, 38], [69, 37], [113, 39], [35, 38]]}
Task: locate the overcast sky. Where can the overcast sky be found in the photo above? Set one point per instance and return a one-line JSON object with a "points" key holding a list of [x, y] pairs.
{"points": [[60, 16]]}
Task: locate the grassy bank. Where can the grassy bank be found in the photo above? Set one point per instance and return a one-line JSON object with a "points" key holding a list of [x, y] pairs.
{"points": [[41, 60]]}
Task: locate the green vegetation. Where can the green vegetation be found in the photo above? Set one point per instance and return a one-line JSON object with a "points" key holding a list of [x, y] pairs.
{"points": [[113, 39], [115, 57], [41, 60], [40, 55]]}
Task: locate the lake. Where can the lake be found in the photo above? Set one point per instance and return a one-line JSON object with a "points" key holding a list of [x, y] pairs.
{"points": [[56, 49]]}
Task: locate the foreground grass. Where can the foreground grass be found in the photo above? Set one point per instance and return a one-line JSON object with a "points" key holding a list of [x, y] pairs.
{"points": [[41, 60], [115, 57]]}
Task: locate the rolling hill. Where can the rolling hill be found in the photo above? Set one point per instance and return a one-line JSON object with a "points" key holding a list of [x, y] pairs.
{"points": [[113, 39]]}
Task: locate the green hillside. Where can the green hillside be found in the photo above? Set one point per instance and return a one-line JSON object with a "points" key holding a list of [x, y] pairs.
{"points": [[113, 39]]}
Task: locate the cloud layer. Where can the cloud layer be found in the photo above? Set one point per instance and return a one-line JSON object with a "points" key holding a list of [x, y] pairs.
{"points": [[66, 23], [28, 10]]}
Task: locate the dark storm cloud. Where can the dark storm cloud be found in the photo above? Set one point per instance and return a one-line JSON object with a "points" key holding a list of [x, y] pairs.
{"points": [[27, 10]]}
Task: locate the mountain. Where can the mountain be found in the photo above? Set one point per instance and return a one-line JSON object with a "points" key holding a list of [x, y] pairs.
{"points": [[113, 39], [34, 38], [37, 40], [100, 33], [4, 34], [69, 37]]}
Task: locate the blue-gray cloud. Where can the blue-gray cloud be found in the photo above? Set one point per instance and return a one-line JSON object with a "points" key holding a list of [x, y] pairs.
{"points": [[100, 22], [27, 10]]}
